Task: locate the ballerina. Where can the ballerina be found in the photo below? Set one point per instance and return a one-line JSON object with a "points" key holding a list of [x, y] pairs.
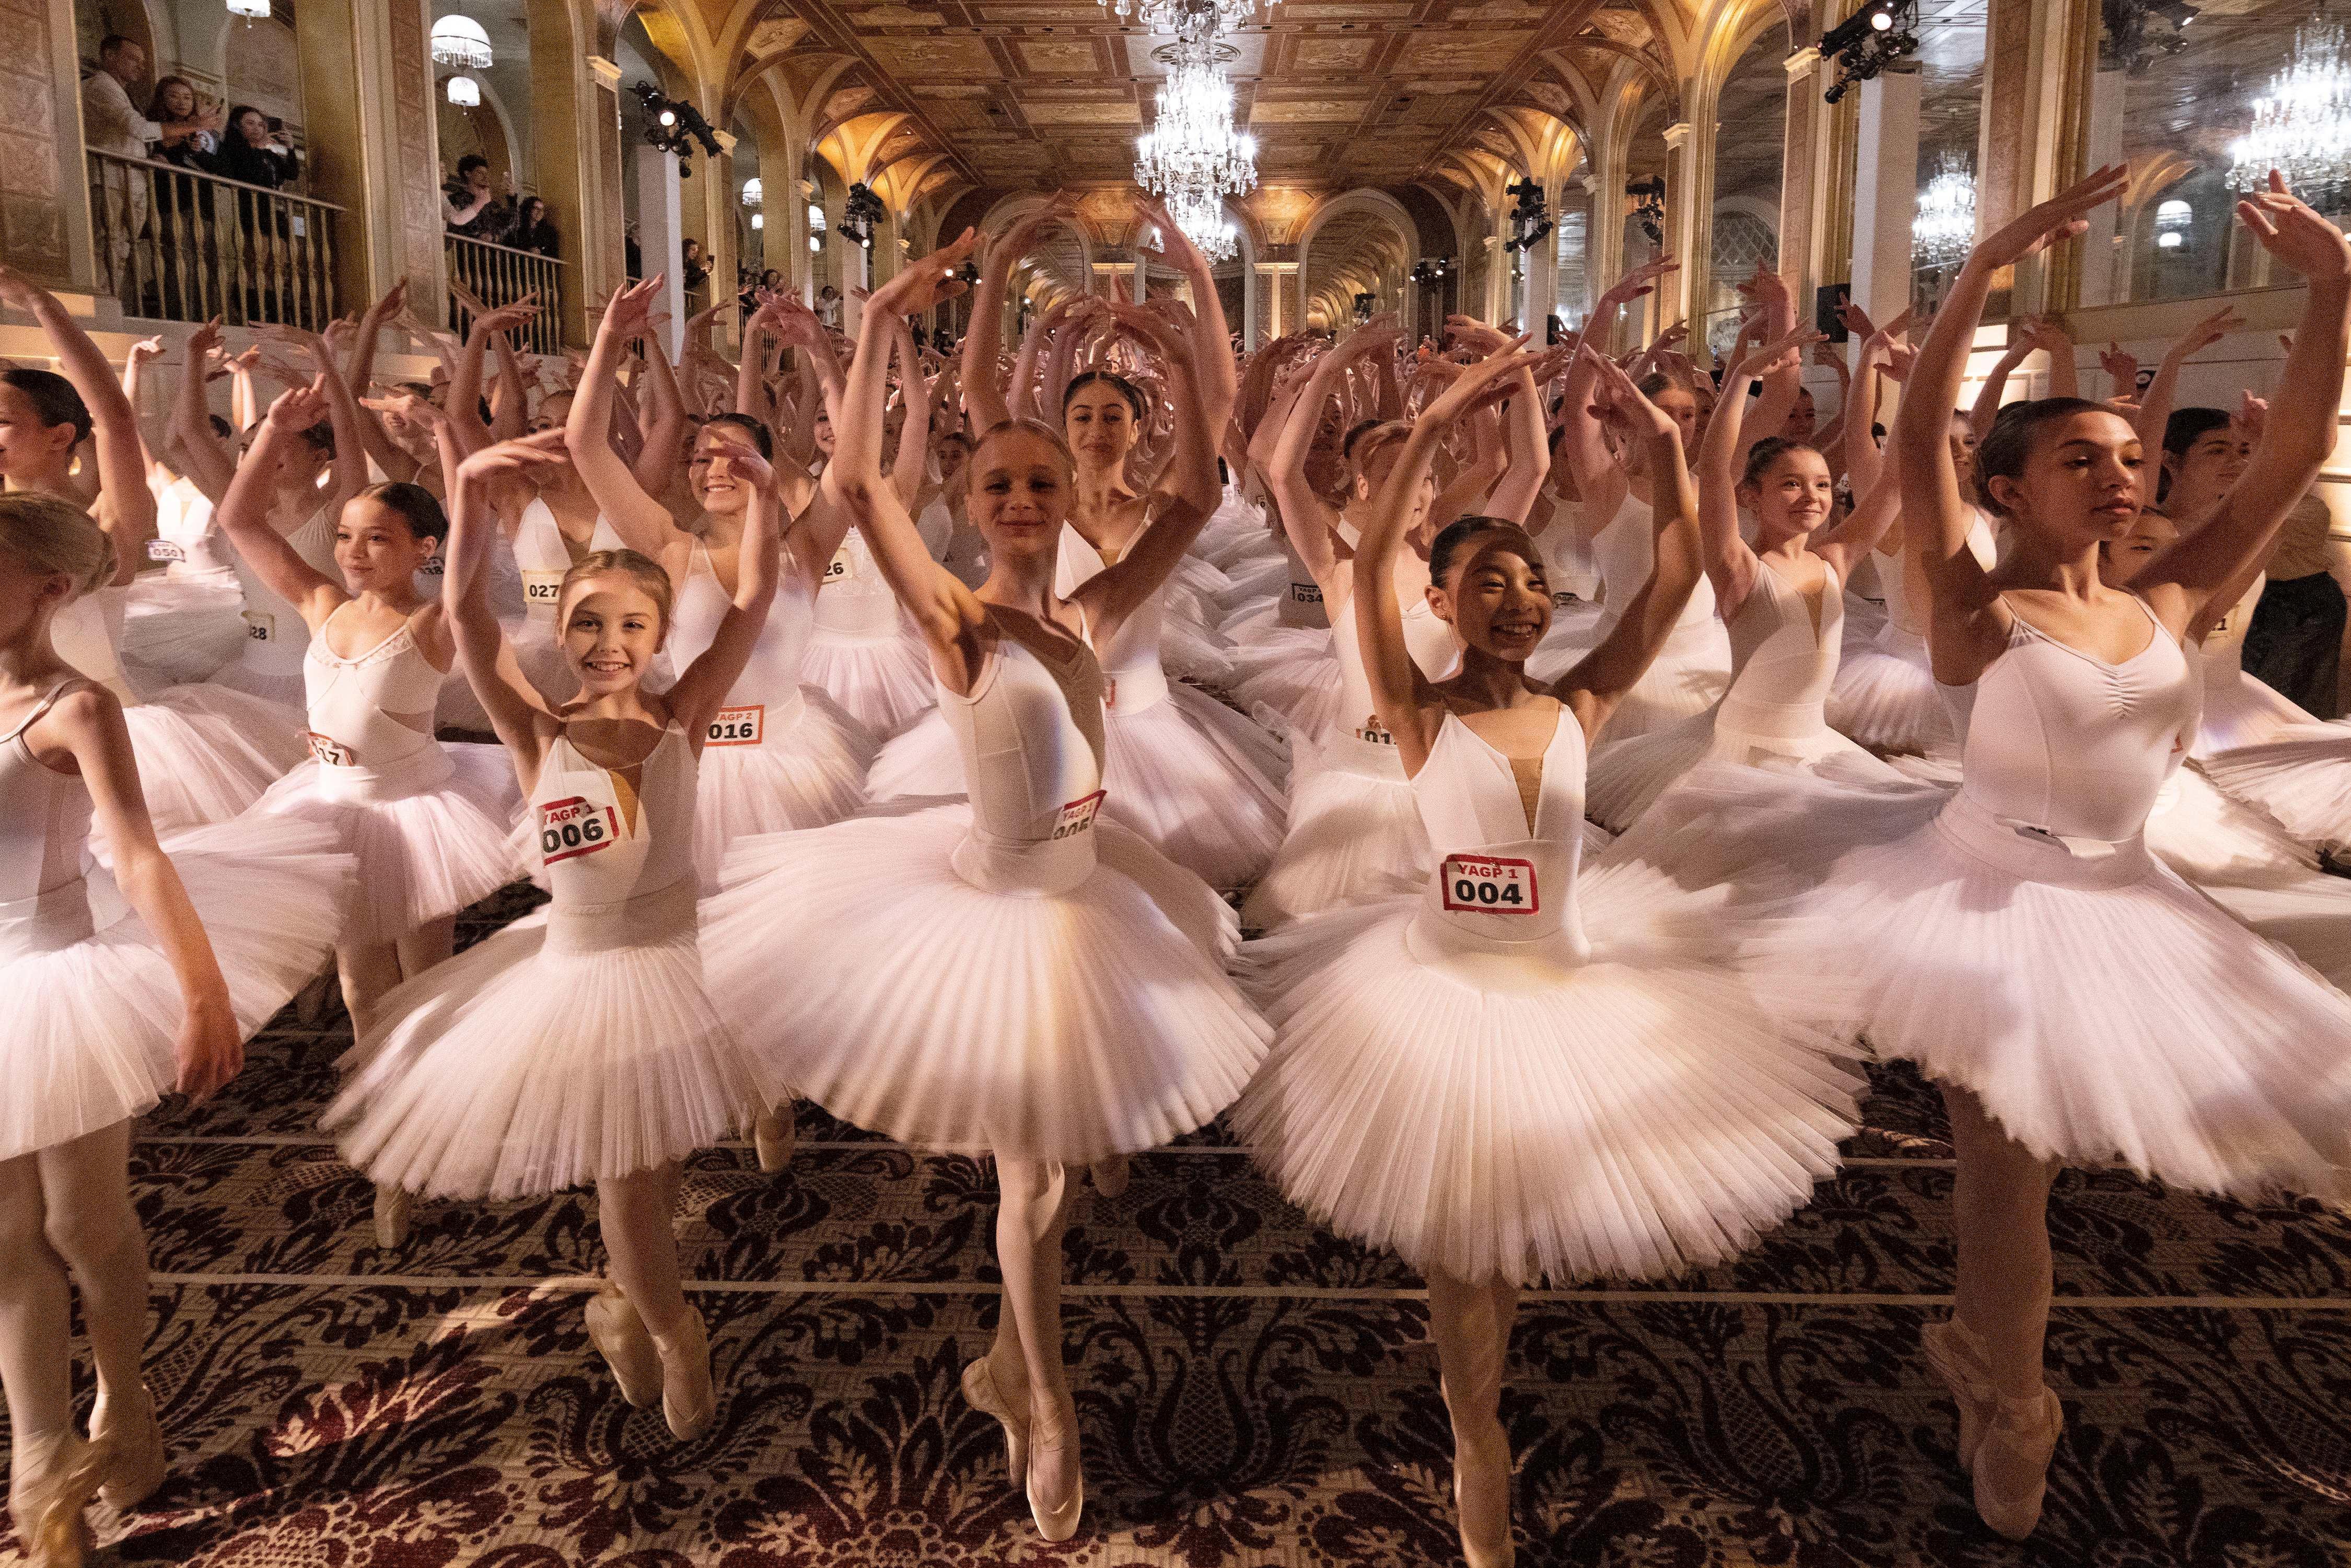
{"points": [[1205, 785], [577, 1045], [1073, 1007], [1782, 600], [1461, 1074], [121, 987], [782, 754]]}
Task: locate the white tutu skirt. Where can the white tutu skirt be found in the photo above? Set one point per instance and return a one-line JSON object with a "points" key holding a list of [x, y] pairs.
{"points": [[884, 683], [422, 855], [178, 630], [570, 1048], [1293, 670], [1355, 833], [1649, 1111], [2303, 779], [1069, 1026], [1203, 784], [268, 680], [802, 775], [1190, 646], [2242, 710], [2103, 1011], [1627, 777], [1886, 699], [207, 753], [1236, 534], [1690, 674], [92, 1013]]}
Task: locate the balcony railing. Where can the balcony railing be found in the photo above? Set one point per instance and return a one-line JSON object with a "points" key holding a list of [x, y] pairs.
{"points": [[177, 245], [499, 275]]}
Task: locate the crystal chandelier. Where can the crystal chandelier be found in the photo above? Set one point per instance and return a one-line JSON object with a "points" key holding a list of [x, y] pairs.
{"points": [[2302, 128], [1186, 19], [462, 43], [1945, 228], [1191, 156]]}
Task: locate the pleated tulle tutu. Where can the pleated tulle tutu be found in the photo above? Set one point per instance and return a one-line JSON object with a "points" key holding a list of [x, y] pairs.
{"points": [[1236, 534], [179, 629], [1627, 777], [93, 1005], [1355, 833], [2101, 1009], [1189, 645], [1293, 670], [272, 682], [1690, 676], [1203, 784], [808, 770], [207, 753], [425, 850], [1885, 696], [884, 683], [1069, 1026], [1651, 1110], [2241, 710], [2302, 779], [569, 1047]]}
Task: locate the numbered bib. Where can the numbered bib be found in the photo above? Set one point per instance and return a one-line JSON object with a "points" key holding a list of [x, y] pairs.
{"points": [[1371, 730], [541, 590], [259, 624], [1305, 593], [575, 827], [842, 568], [1490, 886], [430, 569], [1562, 601], [1078, 816], [330, 752], [739, 725], [165, 550]]}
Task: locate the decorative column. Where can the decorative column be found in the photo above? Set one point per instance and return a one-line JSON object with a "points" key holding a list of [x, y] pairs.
{"points": [[1886, 187], [1689, 197], [1543, 270], [1275, 285], [2106, 248], [661, 237], [1803, 178], [2034, 131], [45, 227]]}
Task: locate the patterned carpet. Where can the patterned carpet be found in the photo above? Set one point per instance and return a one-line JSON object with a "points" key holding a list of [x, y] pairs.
{"points": [[1253, 1391]]}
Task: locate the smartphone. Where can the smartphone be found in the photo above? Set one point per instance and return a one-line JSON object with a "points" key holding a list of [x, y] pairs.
{"points": [[273, 123]]}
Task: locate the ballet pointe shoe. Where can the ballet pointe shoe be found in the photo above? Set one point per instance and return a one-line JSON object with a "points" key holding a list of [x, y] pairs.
{"points": [[1053, 1478], [1481, 1488], [1957, 1352], [773, 1134], [394, 1207], [1109, 1175], [51, 1480], [689, 1403], [619, 1337], [128, 1428], [980, 1392], [2011, 1467]]}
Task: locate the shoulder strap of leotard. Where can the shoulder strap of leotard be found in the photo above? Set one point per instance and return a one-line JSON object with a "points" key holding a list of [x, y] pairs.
{"points": [[48, 700]]}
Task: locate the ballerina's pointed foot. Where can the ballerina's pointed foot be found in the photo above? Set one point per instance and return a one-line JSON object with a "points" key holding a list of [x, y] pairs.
{"points": [[689, 1402], [394, 1205], [619, 1335], [1055, 1483], [129, 1426], [1481, 1490], [774, 1133], [1109, 1175], [51, 1480], [2011, 1467], [982, 1394], [1957, 1352]]}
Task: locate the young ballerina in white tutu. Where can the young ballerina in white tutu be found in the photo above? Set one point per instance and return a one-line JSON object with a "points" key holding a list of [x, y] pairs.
{"points": [[782, 754], [579, 1045], [1783, 602], [1073, 1007], [2075, 1001], [1198, 780], [431, 824], [1465, 1075], [116, 996]]}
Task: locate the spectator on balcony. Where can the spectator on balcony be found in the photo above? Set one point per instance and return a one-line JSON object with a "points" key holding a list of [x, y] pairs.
{"points": [[180, 294], [175, 103], [112, 125], [256, 152], [476, 206], [255, 149], [828, 305], [693, 270], [533, 230]]}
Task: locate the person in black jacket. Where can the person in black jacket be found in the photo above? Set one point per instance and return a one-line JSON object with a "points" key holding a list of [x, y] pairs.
{"points": [[255, 153]]}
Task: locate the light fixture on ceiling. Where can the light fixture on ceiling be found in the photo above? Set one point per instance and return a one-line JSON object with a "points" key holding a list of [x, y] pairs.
{"points": [[1528, 223], [860, 213], [1192, 156], [1186, 18], [458, 42], [758, 220], [753, 192], [1944, 230], [251, 10], [465, 92], [1868, 41], [2303, 127]]}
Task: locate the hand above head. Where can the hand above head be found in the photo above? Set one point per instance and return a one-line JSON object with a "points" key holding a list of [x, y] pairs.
{"points": [[628, 314], [2060, 217], [2209, 332], [1856, 321], [145, 349], [1619, 406], [1640, 280], [2251, 417], [299, 407], [2122, 368], [1785, 350], [931, 281], [523, 454], [2294, 234]]}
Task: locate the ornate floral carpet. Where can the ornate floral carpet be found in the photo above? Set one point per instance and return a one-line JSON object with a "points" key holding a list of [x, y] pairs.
{"points": [[1253, 1391]]}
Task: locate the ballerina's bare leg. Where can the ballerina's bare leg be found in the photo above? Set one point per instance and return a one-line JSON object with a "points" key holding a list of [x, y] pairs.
{"points": [[1471, 1325], [1026, 1359]]}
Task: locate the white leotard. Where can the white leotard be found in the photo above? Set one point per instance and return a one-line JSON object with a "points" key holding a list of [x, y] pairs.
{"points": [[1133, 677], [275, 637], [189, 538], [766, 696], [1627, 551], [1030, 736], [1782, 669], [1499, 888], [87, 634], [603, 839], [1906, 625], [855, 599], [365, 750]]}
